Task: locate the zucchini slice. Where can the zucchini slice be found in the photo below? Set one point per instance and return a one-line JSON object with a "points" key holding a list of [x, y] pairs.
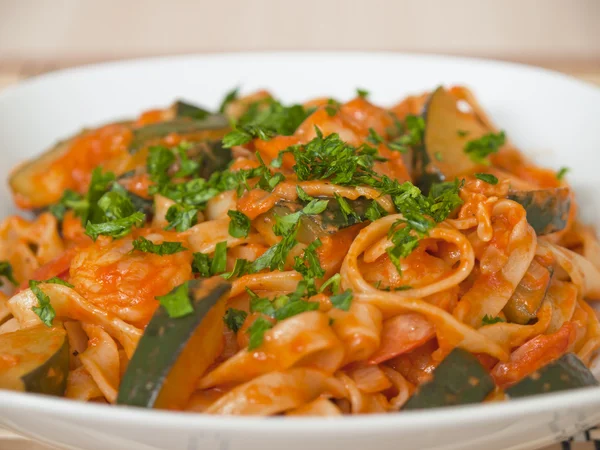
{"points": [[447, 130], [20, 180], [547, 209], [567, 372], [211, 127], [174, 352], [211, 155], [329, 221], [523, 305], [184, 109], [460, 379], [35, 360]]}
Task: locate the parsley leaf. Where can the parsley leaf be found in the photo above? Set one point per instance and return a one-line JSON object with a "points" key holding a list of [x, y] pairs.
{"points": [[240, 268], [362, 93], [488, 320], [374, 137], [159, 160], [177, 303], [44, 310], [276, 256], [239, 226], [375, 211], [181, 217], [234, 319], [6, 271], [561, 173], [257, 332], [302, 195], [229, 97], [479, 149], [346, 209], [294, 307], [411, 131], [201, 264], [487, 177], [332, 107], [69, 200], [334, 282], [342, 301], [115, 228], [330, 158], [309, 266], [166, 248], [219, 261], [265, 119]]}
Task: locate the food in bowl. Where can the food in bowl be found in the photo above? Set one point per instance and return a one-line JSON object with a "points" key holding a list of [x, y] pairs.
{"points": [[318, 259]]}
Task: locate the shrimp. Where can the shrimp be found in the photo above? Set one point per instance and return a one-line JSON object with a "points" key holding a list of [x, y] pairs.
{"points": [[114, 277]]}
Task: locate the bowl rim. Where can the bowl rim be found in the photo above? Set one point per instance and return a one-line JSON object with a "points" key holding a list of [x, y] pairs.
{"points": [[443, 417]]}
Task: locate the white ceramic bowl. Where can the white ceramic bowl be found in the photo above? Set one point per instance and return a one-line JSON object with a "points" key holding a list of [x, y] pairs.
{"points": [[554, 118]]}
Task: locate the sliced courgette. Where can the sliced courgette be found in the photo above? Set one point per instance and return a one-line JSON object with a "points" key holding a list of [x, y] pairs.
{"points": [[447, 130], [184, 109], [174, 352], [523, 305], [459, 380], [567, 372], [212, 127], [329, 221], [211, 155], [547, 209], [35, 360], [21, 183]]}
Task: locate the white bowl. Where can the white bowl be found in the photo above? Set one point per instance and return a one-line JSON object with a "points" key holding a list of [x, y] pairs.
{"points": [[553, 117]]}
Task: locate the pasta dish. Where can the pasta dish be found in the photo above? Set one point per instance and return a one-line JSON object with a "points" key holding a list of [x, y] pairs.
{"points": [[322, 258]]}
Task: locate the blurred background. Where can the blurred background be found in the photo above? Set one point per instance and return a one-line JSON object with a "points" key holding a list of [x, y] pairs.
{"points": [[42, 35]]}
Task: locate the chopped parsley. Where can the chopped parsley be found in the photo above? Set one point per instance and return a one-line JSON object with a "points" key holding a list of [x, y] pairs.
{"points": [[479, 149], [6, 271], [239, 225], [234, 319], [69, 200], [240, 267], [332, 107], [362, 93], [309, 266], [206, 266], [462, 133], [374, 137], [487, 177], [177, 303], [375, 211], [561, 173], [116, 228], [265, 119], [44, 310], [166, 248], [229, 97], [181, 217], [343, 300], [256, 331], [488, 320], [411, 133]]}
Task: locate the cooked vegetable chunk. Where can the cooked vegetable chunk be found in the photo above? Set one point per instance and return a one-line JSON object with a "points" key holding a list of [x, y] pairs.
{"points": [[175, 349], [458, 380], [547, 210], [329, 221], [447, 131], [567, 372], [523, 305], [211, 127], [35, 360]]}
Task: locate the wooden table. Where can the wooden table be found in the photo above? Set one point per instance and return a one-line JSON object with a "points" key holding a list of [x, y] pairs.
{"points": [[12, 72]]}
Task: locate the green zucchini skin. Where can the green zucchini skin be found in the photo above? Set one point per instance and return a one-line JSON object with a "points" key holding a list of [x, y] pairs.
{"points": [[328, 222], [447, 131], [567, 372], [184, 109], [40, 379], [459, 380], [523, 305], [43, 360], [547, 209], [211, 155], [180, 125], [162, 344]]}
